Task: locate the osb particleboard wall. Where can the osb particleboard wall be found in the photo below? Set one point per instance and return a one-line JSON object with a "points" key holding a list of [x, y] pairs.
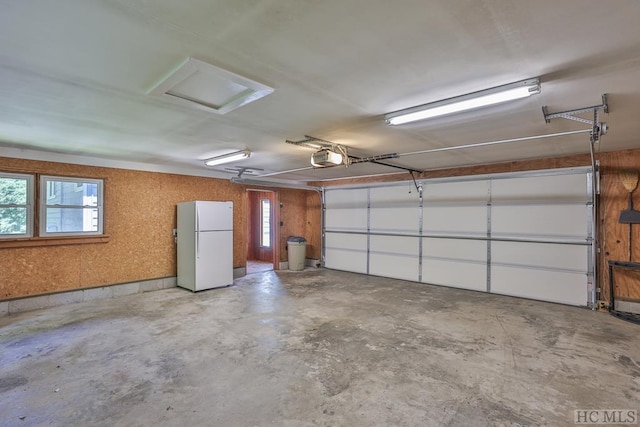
{"points": [[140, 214], [614, 237]]}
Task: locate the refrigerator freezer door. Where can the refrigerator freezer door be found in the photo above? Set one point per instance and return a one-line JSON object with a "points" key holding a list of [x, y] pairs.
{"points": [[214, 216], [214, 260]]}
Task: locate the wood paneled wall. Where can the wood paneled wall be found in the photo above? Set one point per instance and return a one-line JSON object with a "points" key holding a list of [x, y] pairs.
{"points": [[140, 214]]}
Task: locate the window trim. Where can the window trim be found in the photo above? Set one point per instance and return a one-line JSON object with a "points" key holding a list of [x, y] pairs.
{"points": [[42, 211], [30, 202]]}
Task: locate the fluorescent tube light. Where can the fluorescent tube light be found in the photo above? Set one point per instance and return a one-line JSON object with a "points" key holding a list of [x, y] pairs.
{"points": [[228, 158], [470, 101]]}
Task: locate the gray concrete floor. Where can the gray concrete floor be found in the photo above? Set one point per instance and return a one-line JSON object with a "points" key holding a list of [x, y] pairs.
{"points": [[314, 348]]}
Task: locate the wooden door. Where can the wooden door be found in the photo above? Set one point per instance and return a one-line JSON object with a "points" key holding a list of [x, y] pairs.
{"points": [[261, 226]]}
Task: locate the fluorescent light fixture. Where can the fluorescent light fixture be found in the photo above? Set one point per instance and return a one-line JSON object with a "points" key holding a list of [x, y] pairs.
{"points": [[324, 158], [228, 158], [470, 101]]}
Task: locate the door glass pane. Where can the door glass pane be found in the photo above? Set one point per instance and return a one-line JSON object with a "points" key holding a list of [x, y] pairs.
{"points": [[265, 223]]}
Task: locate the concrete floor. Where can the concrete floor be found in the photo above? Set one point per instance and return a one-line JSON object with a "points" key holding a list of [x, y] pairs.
{"points": [[258, 267], [314, 348]]}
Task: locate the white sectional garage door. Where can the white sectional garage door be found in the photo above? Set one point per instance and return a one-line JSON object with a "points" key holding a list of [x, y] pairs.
{"points": [[522, 234]]}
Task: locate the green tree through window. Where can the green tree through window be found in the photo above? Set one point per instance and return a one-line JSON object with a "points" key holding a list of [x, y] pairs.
{"points": [[13, 205]]}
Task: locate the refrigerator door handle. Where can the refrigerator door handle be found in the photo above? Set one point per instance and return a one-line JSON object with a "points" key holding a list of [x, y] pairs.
{"points": [[197, 232]]}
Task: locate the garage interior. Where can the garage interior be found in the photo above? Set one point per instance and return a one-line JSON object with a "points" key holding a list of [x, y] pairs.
{"points": [[479, 267]]}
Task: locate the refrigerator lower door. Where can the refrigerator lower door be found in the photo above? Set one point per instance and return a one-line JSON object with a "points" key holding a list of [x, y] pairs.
{"points": [[214, 259]]}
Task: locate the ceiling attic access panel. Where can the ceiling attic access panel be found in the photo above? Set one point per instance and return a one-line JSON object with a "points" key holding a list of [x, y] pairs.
{"points": [[205, 86]]}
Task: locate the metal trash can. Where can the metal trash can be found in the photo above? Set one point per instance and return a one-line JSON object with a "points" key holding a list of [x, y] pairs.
{"points": [[297, 249]]}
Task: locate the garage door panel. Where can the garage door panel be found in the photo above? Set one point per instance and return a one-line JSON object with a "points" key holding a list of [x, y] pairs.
{"points": [[456, 274], [554, 286], [346, 198], [394, 256], [544, 255], [395, 196], [396, 266], [455, 249], [455, 220], [457, 192], [347, 219], [394, 210], [346, 252], [346, 210], [458, 263], [561, 221], [563, 188], [395, 244], [523, 235], [401, 220]]}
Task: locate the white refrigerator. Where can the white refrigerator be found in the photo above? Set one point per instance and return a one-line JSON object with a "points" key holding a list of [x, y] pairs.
{"points": [[205, 245]]}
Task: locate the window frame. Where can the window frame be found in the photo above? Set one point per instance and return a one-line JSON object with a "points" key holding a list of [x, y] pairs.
{"points": [[42, 211], [29, 205]]}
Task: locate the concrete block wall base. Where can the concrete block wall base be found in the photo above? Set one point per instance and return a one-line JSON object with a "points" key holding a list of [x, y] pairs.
{"points": [[628, 306], [311, 262], [308, 262], [239, 272], [20, 305]]}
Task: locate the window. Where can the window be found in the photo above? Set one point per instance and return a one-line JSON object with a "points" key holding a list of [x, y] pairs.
{"points": [[34, 206], [265, 223], [16, 205], [70, 206]]}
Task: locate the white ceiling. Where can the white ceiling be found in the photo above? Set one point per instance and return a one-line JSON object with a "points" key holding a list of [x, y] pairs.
{"points": [[74, 77]]}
